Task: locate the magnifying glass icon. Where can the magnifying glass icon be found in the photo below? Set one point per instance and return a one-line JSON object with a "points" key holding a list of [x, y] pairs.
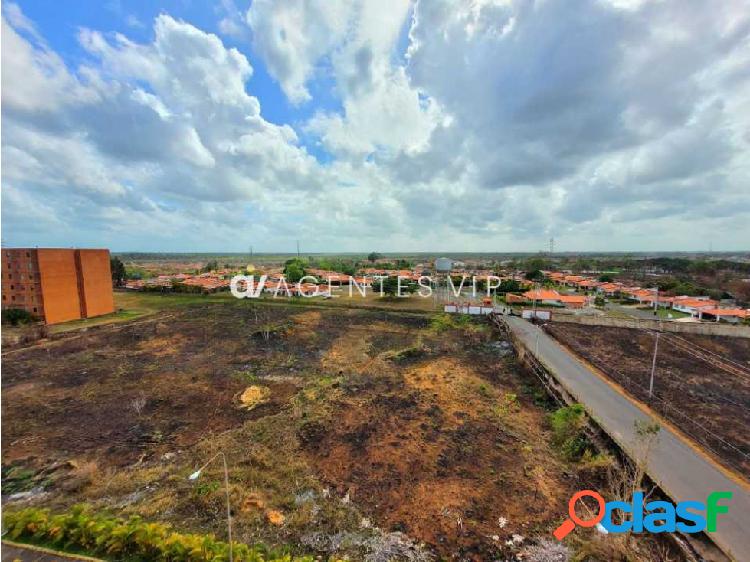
{"points": [[569, 524]]}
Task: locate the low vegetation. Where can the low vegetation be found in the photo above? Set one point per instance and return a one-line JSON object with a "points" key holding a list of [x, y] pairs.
{"points": [[81, 530], [567, 431], [16, 316], [444, 322], [367, 434]]}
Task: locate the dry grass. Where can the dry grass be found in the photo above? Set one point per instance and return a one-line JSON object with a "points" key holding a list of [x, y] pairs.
{"points": [[356, 439]]}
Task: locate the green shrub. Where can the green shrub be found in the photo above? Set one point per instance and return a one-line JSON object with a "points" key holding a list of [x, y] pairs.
{"points": [[567, 432], [132, 539], [16, 316], [484, 392], [408, 353], [441, 322], [444, 321]]}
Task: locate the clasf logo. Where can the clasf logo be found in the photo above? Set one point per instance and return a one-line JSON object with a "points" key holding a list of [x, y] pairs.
{"points": [[654, 517]]}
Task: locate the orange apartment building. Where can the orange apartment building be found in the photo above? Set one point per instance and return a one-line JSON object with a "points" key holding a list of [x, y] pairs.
{"points": [[57, 285]]}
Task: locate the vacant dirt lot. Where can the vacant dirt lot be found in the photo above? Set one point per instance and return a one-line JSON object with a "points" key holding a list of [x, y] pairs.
{"points": [[700, 382], [379, 435]]}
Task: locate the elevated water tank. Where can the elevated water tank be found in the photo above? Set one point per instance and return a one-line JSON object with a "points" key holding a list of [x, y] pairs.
{"points": [[443, 265]]}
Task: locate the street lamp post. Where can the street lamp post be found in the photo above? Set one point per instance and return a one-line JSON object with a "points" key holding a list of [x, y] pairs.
{"points": [[536, 345], [195, 475], [653, 368]]}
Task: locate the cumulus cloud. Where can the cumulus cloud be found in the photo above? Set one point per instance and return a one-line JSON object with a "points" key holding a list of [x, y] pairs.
{"points": [[293, 36], [141, 130], [612, 106], [354, 42], [488, 125]]}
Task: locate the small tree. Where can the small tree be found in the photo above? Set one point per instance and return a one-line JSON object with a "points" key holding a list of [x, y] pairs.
{"points": [[294, 270], [646, 436], [535, 275], [263, 322], [372, 257], [210, 266], [509, 286], [390, 286], [118, 271], [628, 479], [532, 264], [606, 278]]}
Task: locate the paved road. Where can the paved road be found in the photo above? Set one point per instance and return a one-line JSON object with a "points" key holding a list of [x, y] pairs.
{"points": [[681, 471]]}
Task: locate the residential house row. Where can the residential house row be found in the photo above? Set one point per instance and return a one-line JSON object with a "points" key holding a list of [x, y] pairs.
{"points": [[698, 307]]}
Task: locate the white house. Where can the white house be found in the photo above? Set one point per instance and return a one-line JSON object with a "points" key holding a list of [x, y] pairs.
{"points": [[693, 305], [732, 315]]}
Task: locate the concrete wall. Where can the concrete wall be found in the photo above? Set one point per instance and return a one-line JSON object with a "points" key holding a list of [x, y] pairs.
{"points": [[74, 283], [706, 329], [96, 282], [59, 280]]}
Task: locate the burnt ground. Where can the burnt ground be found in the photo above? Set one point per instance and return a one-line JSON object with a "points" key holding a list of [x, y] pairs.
{"points": [[709, 403], [379, 433]]}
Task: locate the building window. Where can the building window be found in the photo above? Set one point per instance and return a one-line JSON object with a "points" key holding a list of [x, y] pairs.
{"points": [[28, 255], [34, 309], [12, 287]]}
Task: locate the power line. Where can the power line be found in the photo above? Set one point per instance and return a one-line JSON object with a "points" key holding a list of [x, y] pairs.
{"points": [[655, 400], [718, 361]]}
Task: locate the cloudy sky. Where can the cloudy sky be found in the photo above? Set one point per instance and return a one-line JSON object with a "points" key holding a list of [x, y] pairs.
{"points": [[383, 125]]}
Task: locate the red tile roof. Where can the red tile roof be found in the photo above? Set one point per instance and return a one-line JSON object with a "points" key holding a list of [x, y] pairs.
{"points": [[695, 303], [542, 295], [572, 299], [738, 312]]}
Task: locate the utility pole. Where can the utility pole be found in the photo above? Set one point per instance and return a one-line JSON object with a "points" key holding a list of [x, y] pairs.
{"points": [[551, 246], [653, 367], [297, 248]]}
